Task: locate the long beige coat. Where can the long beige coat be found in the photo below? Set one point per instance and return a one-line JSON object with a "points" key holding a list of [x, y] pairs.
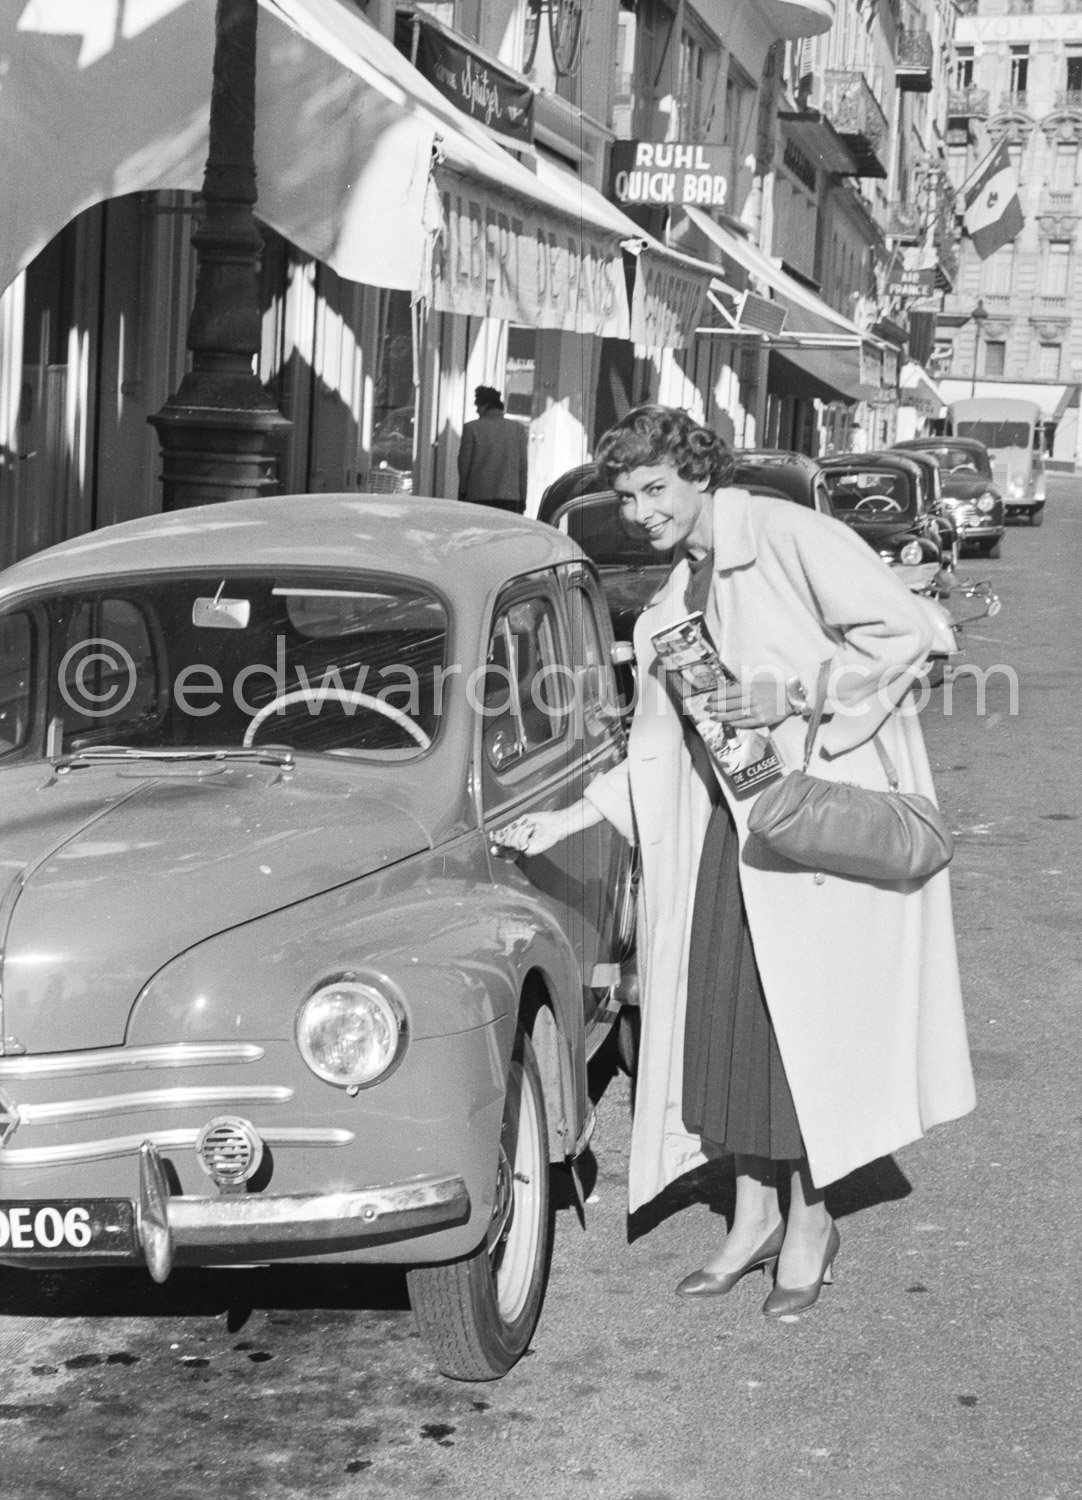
{"points": [[861, 980]]}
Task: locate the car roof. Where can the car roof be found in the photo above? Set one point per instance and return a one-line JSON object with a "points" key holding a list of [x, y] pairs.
{"points": [[920, 445], [440, 542], [906, 461]]}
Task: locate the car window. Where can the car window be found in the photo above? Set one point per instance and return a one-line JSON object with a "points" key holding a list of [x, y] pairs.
{"points": [[954, 459], [527, 691], [16, 680], [349, 663], [596, 523], [595, 700], [106, 671], [869, 492]]}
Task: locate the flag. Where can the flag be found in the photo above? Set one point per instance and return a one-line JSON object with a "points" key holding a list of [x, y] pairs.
{"points": [[993, 209]]}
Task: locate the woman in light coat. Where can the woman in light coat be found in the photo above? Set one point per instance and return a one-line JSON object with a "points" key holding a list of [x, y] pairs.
{"points": [[788, 1018]]}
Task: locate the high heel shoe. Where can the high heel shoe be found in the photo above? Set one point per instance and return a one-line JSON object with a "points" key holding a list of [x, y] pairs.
{"points": [[784, 1300], [715, 1284]]}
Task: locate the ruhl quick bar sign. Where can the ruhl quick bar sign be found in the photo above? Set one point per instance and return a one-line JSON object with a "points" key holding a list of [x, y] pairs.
{"points": [[669, 172], [496, 99]]}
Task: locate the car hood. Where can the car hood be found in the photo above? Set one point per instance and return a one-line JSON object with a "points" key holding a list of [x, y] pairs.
{"points": [[107, 873]]}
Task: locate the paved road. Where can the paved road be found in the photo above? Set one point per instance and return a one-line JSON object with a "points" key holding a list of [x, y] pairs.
{"points": [[943, 1364]]}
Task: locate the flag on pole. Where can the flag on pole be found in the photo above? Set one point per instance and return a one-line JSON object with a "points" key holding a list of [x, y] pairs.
{"points": [[993, 210]]}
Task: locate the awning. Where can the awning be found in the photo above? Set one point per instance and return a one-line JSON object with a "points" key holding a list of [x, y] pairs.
{"points": [[105, 100], [559, 265], [837, 357], [919, 390], [1053, 397]]}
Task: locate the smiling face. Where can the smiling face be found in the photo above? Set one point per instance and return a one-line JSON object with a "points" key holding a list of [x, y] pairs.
{"points": [[670, 511]]}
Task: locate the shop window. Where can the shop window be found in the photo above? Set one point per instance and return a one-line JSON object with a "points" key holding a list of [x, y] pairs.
{"points": [[1048, 362], [393, 436], [1057, 270], [998, 272], [995, 357], [520, 372]]}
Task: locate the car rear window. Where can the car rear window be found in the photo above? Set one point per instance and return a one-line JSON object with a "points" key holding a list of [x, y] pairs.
{"points": [[595, 522]]}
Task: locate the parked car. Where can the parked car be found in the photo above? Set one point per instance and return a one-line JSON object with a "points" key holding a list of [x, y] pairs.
{"points": [[969, 491], [887, 499], [392, 452], [271, 992], [582, 505]]}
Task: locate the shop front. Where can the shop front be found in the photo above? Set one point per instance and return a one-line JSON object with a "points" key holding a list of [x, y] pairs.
{"points": [[408, 258]]}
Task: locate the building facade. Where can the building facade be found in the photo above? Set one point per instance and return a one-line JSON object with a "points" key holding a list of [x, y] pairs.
{"points": [[1017, 76]]}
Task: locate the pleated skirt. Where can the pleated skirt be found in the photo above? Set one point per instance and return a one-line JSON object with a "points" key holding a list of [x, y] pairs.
{"points": [[736, 1095]]}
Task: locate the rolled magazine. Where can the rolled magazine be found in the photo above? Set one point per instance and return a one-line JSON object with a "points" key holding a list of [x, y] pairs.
{"points": [[745, 758]]}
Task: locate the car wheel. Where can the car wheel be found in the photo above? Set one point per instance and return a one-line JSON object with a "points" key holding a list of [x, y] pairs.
{"points": [[993, 548], [1036, 517], [478, 1314]]}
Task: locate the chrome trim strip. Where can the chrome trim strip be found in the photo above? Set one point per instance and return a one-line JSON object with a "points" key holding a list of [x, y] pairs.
{"points": [[164, 1140], [125, 1059], [516, 797], [244, 1219], [182, 1098]]}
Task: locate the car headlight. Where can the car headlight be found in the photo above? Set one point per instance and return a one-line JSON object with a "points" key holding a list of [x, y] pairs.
{"points": [[350, 1033], [911, 554], [986, 502]]}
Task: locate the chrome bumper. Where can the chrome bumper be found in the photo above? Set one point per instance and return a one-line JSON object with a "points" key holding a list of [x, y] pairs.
{"points": [[166, 1223], [915, 576]]}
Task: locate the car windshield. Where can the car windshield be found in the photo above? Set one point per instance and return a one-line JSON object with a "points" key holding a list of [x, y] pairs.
{"points": [[870, 494], [350, 664], [596, 523], [954, 459], [997, 434]]}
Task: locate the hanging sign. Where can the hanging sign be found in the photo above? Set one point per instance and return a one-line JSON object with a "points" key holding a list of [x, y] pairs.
{"points": [[666, 303], [503, 103], [496, 259], [909, 281], [669, 173]]}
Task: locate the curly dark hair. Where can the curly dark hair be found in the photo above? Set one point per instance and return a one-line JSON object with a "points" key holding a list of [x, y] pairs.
{"points": [[652, 435]]}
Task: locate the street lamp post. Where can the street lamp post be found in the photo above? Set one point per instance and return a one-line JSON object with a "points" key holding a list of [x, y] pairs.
{"points": [[219, 431], [978, 317]]}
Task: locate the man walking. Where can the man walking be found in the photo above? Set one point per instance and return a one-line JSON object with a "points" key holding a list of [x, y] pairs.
{"points": [[492, 456]]}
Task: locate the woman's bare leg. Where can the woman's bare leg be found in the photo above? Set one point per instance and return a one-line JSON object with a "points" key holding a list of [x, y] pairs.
{"points": [[755, 1215], [807, 1230]]}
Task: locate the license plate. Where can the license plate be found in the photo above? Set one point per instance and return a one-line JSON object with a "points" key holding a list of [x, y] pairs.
{"points": [[69, 1226]]}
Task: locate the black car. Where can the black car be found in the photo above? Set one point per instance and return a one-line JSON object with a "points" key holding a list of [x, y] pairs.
{"points": [[887, 499], [581, 504], [969, 491]]}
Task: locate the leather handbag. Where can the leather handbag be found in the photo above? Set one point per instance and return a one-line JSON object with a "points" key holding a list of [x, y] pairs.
{"points": [[842, 829]]}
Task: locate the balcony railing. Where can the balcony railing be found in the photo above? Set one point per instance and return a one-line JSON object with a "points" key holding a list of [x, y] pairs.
{"points": [[913, 63], [1019, 7], [1069, 99], [1048, 306], [854, 111], [1013, 99], [1058, 201], [970, 103], [905, 222], [968, 7]]}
